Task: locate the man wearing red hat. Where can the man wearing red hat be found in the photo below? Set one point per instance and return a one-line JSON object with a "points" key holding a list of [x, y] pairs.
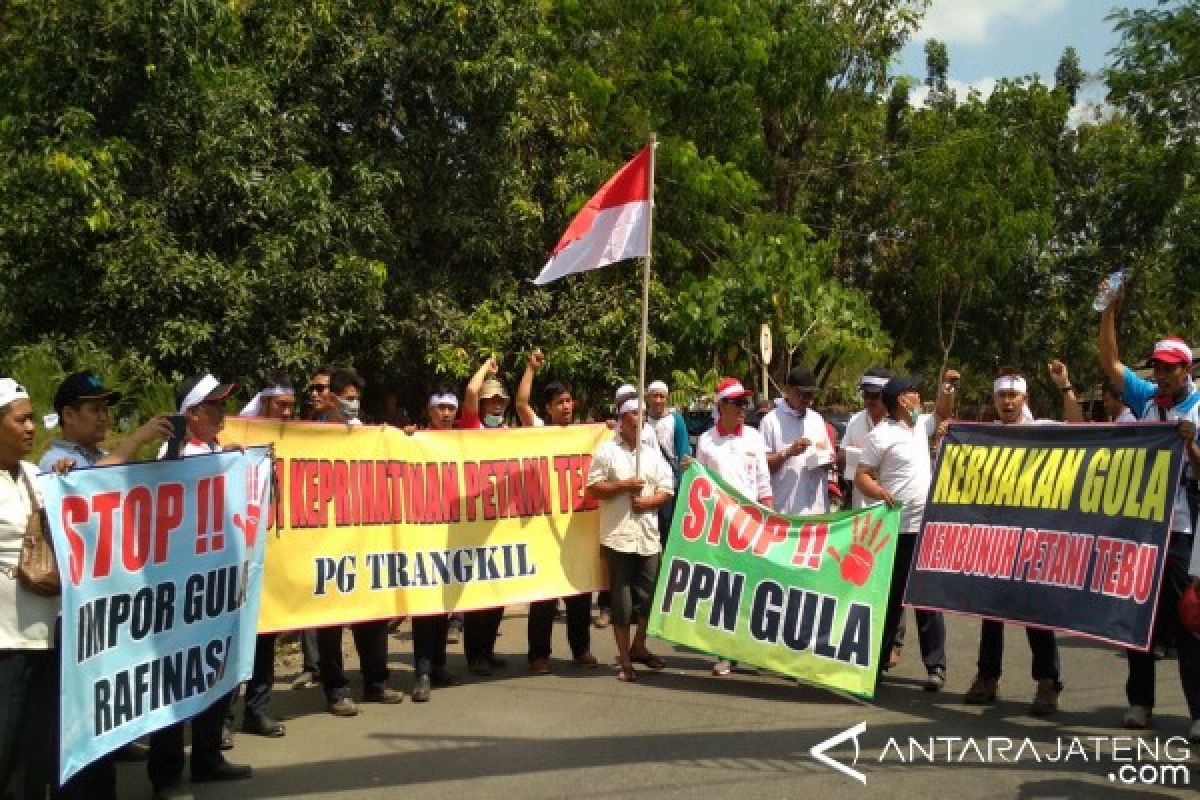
{"points": [[1170, 397], [737, 453]]}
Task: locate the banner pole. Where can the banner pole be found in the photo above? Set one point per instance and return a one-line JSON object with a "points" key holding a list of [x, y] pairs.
{"points": [[637, 458]]}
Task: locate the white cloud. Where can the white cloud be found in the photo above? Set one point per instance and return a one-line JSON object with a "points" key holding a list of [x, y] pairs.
{"points": [[962, 90], [970, 21]]}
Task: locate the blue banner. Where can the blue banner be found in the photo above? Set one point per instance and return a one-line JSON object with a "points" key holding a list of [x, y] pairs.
{"points": [[162, 574]]}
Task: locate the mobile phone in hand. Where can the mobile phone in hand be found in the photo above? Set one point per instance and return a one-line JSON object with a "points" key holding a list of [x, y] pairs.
{"points": [[178, 436]]}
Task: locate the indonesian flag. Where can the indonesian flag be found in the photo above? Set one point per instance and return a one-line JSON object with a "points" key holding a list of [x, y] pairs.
{"points": [[611, 227]]}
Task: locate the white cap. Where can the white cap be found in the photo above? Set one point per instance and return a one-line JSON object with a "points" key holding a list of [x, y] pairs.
{"points": [[443, 399], [658, 386], [10, 391], [629, 405], [624, 391]]}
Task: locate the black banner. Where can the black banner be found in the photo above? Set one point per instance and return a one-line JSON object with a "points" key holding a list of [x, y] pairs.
{"points": [[1059, 526]]}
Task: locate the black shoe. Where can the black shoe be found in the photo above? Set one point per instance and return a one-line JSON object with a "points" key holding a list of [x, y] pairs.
{"points": [[263, 725], [441, 678], [497, 663], [420, 690], [480, 666], [223, 771], [227, 734], [176, 791]]}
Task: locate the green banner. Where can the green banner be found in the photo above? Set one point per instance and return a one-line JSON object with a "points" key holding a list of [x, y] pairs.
{"points": [[801, 596]]}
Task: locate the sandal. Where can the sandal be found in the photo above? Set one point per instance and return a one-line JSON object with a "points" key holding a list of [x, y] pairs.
{"points": [[649, 659], [627, 675]]}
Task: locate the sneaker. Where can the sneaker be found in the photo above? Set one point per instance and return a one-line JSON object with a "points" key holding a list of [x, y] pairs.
{"points": [[1194, 734], [982, 691], [539, 666], [1139, 718], [421, 689], [722, 668], [1045, 700], [935, 680], [342, 707], [603, 618], [382, 694], [305, 680]]}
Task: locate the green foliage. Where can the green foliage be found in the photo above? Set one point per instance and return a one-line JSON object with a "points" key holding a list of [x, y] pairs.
{"points": [[248, 186]]}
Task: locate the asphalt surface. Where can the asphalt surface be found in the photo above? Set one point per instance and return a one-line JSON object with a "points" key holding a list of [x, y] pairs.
{"points": [[681, 733]]}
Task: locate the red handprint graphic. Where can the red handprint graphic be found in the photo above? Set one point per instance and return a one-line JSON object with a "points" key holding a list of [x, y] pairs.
{"points": [[249, 525], [865, 545]]}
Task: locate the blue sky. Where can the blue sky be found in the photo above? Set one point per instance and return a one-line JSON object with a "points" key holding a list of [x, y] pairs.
{"points": [[989, 39]]}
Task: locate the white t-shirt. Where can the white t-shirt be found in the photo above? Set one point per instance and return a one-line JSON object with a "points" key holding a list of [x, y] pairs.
{"points": [[853, 442], [193, 447], [899, 456], [740, 458], [26, 619], [1126, 416], [801, 484], [621, 528]]}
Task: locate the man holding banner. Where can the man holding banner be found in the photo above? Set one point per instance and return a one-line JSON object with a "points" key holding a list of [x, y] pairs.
{"points": [[894, 468], [1170, 397], [560, 410], [736, 453], [630, 497], [202, 403], [1009, 395]]}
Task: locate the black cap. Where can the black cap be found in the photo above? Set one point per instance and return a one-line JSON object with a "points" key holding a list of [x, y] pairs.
{"points": [[898, 386], [82, 386], [802, 378]]}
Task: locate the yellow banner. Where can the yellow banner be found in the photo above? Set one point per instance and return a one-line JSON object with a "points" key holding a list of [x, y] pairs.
{"points": [[370, 523]]}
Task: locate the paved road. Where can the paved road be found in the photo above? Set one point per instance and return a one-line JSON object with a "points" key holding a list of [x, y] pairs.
{"points": [[681, 733]]}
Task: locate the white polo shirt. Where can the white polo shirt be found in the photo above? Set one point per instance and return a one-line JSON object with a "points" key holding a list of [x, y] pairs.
{"points": [[739, 457], [801, 484], [899, 456]]}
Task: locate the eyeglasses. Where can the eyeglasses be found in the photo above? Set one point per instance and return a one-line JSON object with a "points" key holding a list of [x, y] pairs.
{"points": [[317, 388]]}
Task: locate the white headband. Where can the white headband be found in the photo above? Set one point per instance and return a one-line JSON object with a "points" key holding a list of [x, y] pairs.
{"points": [[1013, 382], [10, 391], [631, 404], [874, 381], [445, 399], [658, 386], [624, 390], [254, 407], [203, 388], [730, 390]]}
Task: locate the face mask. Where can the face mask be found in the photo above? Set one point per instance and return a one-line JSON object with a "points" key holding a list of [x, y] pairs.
{"points": [[914, 414], [349, 408], [492, 420]]}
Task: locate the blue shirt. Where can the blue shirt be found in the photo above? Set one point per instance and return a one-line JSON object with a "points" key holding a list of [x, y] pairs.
{"points": [[1138, 394], [61, 448]]}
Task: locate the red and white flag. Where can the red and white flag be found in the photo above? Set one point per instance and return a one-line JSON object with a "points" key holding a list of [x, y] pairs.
{"points": [[612, 226]]}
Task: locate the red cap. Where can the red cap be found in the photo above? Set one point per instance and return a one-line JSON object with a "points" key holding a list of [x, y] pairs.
{"points": [[1171, 350], [731, 389], [1189, 609]]}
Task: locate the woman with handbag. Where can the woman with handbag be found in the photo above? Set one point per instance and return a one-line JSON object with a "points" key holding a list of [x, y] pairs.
{"points": [[28, 657]]}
